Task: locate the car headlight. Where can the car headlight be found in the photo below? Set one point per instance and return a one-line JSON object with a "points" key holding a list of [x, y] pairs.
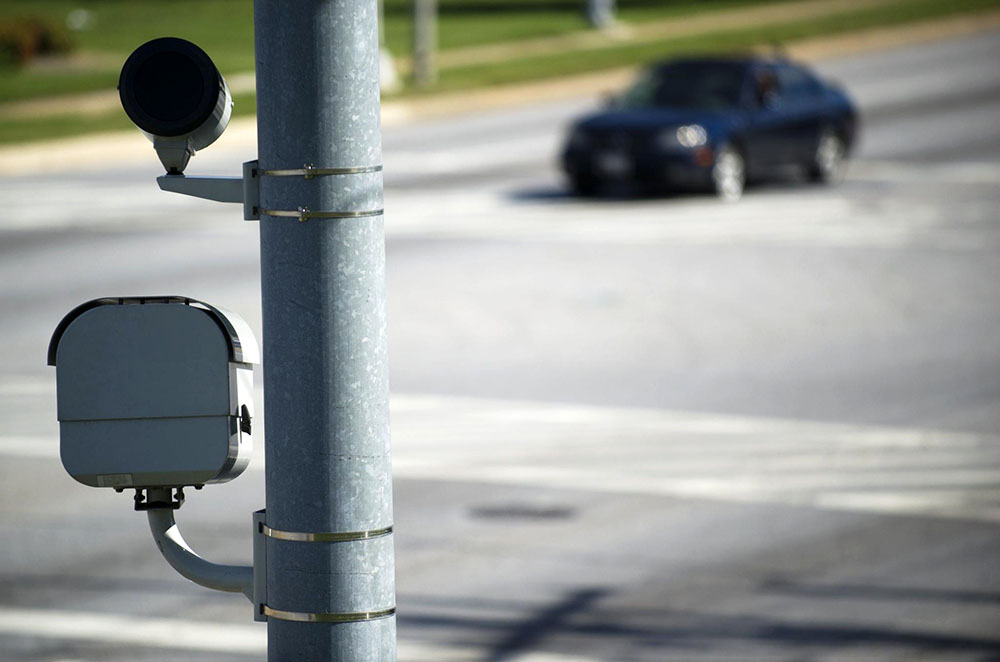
{"points": [[692, 135], [688, 136]]}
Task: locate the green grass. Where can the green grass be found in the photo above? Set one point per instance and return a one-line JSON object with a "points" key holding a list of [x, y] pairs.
{"points": [[19, 131], [725, 41], [58, 126], [120, 25], [22, 84], [474, 22], [230, 49]]}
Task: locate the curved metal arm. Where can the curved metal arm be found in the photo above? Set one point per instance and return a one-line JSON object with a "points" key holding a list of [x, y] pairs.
{"points": [[231, 578]]}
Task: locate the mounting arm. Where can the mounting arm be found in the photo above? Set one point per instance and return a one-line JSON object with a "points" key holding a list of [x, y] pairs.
{"points": [[243, 189], [230, 578]]}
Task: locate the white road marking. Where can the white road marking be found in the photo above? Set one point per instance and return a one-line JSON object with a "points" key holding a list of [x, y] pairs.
{"points": [[108, 628], [679, 454], [120, 629], [696, 455]]}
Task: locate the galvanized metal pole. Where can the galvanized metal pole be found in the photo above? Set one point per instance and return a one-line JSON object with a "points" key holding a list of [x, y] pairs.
{"points": [[424, 41], [330, 575]]}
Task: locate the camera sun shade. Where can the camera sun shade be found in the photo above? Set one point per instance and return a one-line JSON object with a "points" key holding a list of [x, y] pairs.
{"points": [[172, 91], [153, 392]]}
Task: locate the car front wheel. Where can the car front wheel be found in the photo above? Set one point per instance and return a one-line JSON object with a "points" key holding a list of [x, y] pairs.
{"points": [[729, 174], [585, 185]]}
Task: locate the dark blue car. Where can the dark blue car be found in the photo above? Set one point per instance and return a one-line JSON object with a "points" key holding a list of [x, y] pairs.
{"points": [[713, 123]]}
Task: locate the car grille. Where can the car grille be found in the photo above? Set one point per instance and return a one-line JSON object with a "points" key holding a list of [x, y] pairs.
{"points": [[622, 140]]}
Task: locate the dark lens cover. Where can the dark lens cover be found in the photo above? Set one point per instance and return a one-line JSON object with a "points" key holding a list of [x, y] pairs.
{"points": [[169, 87]]}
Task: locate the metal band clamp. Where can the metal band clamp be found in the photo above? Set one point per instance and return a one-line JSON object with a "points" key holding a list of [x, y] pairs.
{"points": [[324, 537], [304, 213], [262, 611], [301, 617], [309, 171]]}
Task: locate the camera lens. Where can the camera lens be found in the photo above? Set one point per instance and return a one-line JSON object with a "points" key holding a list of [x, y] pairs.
{"points": [[169, 87]]}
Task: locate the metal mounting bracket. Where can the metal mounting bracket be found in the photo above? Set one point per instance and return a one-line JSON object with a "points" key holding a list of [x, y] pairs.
{"points": [[145, 499], [263, 611], [183, 559], [245, 189], [259, 567]]}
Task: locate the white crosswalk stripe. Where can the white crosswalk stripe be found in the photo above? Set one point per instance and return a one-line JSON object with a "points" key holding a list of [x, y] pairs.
{"points": [[892, 470], [681, 454]]}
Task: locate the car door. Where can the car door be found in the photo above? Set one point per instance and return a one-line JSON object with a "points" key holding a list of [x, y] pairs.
{"points": [[765, 133], [802, 109]]}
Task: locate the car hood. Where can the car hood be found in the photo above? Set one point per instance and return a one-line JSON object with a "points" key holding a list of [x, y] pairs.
{"points": [[651, 119]]}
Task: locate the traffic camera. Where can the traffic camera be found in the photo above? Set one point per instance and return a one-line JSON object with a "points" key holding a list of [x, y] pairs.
{"points": [[153, 392], [172, 91]]}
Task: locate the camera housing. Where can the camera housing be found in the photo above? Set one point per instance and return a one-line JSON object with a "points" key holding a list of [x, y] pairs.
{"points": [[153, 392], [172, 91]]}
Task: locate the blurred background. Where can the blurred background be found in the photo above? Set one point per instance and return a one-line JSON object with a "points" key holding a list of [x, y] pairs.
{"points": [[629, 426]]}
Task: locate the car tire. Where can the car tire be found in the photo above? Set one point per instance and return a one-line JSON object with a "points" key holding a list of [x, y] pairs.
{"points": [[729, 174], [829, 163], [584, 185]]}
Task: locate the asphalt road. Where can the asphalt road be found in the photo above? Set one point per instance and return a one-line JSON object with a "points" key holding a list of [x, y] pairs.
{"points": [[654, 429]]}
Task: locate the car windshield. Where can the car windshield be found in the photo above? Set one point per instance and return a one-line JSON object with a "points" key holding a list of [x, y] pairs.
{"points": [[706, 85]]}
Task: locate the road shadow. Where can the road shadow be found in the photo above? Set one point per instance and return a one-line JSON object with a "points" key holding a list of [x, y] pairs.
{"points": [[623, 192], [874, 592], [578, 623], [612, 194]]}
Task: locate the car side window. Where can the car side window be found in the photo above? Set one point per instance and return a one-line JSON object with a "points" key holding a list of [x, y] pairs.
{"points": [[764, 87], [641, 93], [796, 83]]}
